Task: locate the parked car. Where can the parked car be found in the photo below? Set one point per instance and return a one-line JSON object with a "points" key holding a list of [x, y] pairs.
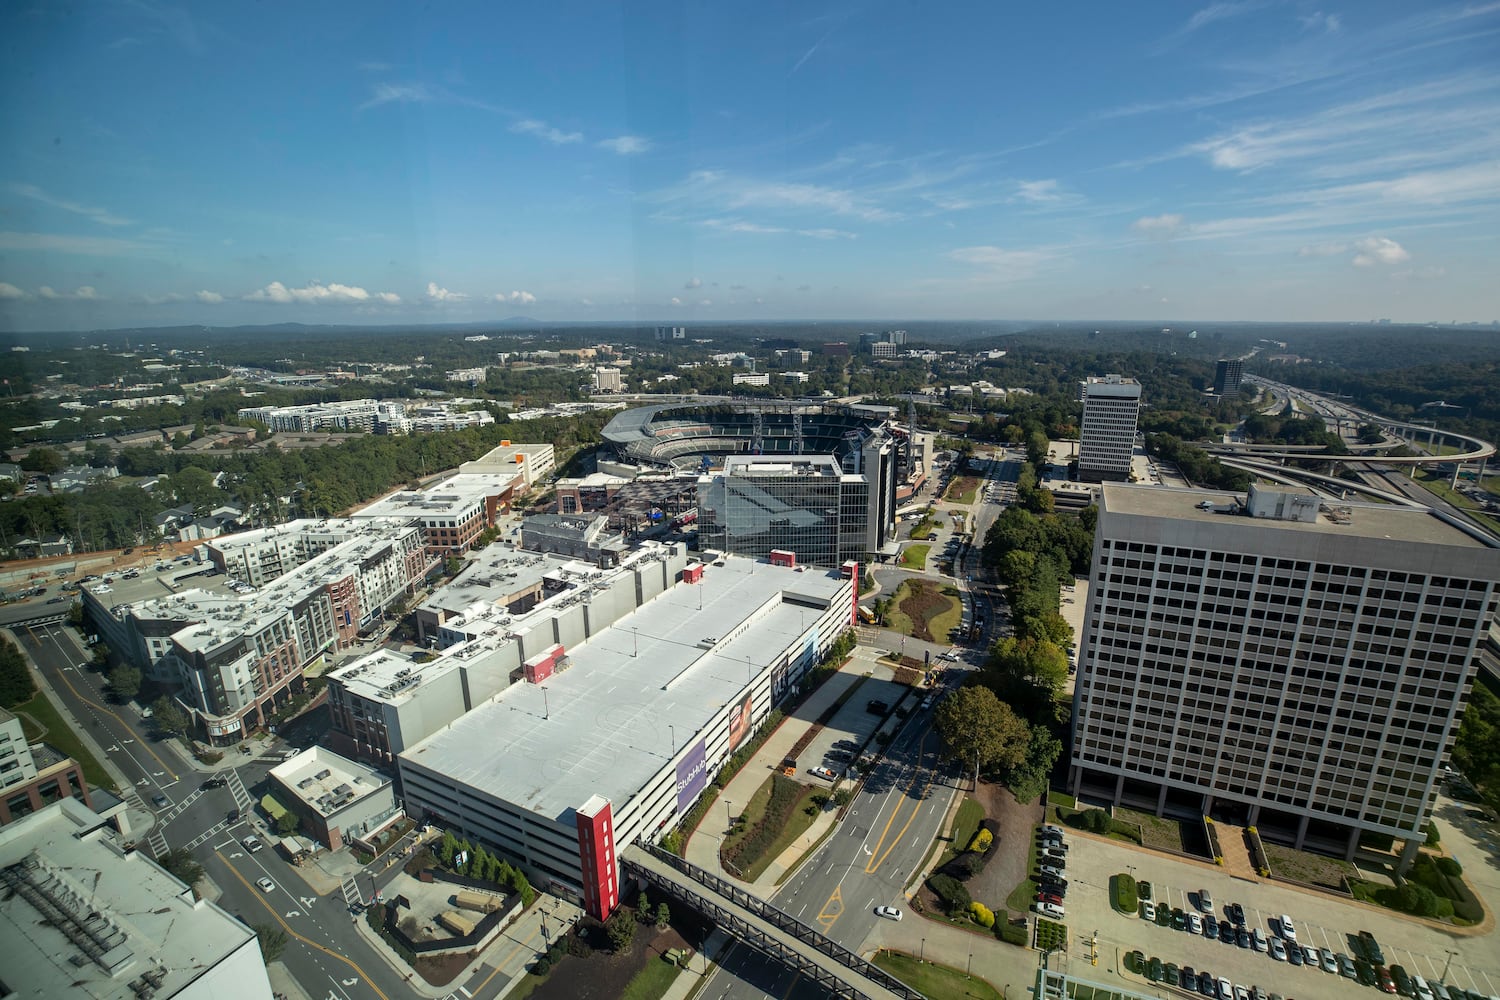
{"points": [[1236, 913], [1049, 897], [1205, 901], [1226, 990], [1346, 966], [1227, 932], [1210, 926], [827, 773], [889, 912], [1194, 923], [1055, 860], [1179, 919], [1242, 937], [1051, 871], [1050, 910], [1278, 949], [1311, 955], [1206, 983], [1148, 911], [1386, 981], [1404, 985], [1326, 962], [1288, 929], [1258, 939], [1371, 948], [1294, 954]]}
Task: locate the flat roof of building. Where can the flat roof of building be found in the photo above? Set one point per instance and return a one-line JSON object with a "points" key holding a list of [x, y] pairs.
{"points": [[457, 492], [608, 723], [492, 575], [1363, 520], [327, 782], [774, 465], [142, 919]]}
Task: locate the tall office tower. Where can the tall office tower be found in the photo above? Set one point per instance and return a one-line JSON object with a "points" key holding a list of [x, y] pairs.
{"points": [[1227, 375], [671, 333], [806, 505], [1275, 661], [1107, 439]]}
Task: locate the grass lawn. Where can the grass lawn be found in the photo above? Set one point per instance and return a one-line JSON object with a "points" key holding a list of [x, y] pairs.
{"points": [[747, 815], [915, 556], [945, 621], [895, 620], [796, 825], [1158, 831], [60, 735], [962, 490], [936, 982], [1024, 894], [1062, 799], [1307, 867], [965, 825], [652, 981]]}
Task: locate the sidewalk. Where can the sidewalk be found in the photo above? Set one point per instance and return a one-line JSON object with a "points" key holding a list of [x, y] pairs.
{"points": [[1006, 967], [703, 844]]}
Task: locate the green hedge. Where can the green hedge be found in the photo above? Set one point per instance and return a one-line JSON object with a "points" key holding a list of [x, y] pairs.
{"points": [[950, 892], [1122, 893], [784, 795]]}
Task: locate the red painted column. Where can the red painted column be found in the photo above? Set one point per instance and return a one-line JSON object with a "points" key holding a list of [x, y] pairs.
{"points": [[596, 851]]}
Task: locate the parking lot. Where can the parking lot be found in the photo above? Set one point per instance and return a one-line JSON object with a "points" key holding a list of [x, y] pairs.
{"points": [[1321, 920], [851, 727]]}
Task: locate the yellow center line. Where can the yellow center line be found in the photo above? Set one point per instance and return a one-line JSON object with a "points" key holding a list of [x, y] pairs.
{"points": [[876, 857], [832, 909], [524, 944], [93, 704], [260, 898]]}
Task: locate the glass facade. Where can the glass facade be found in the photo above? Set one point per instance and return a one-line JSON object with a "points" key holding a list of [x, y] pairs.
{"points": [[804, 505]]}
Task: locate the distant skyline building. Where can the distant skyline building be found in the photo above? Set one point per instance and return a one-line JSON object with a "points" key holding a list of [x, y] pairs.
{"points": [[607, 380], [1107, 437], [1227, 375], [1276, 661], [671, 333]]}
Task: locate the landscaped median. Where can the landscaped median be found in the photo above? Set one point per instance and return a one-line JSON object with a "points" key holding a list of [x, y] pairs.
{"points": [[936, 982], [779, 812]]}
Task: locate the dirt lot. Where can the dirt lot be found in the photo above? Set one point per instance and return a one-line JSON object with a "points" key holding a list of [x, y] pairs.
{"points": [[1018, 824]]}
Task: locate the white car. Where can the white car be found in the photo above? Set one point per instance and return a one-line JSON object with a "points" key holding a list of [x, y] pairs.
{"points": [[1050, 910], [826, 773], [1148, 911], [889, 912], [265, 885], [1195, 923], [1288, 929]]}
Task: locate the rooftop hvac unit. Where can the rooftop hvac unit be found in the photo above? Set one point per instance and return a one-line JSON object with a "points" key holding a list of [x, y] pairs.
{"points": [[323, 774]]}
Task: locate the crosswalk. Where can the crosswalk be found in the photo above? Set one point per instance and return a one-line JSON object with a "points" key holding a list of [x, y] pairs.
{"points": [[155, 838], [352, 897]]}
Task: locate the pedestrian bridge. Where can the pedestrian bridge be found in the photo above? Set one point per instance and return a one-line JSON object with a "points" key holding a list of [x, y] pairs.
{"points": [[764, 927]]}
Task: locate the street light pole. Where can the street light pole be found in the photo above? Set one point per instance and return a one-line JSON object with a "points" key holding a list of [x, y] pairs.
{"points": [[672, 731], [1451, 955], [923, 957]]}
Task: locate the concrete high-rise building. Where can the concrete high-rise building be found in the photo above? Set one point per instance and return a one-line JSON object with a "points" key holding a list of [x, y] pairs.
{"points": [[608, 380], [1276, 661], [671, 333], [1227, 375], [1107, 438]]}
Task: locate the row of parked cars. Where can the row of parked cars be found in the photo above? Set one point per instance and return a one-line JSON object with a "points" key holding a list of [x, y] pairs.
{"points": [[1052, 862], [1367, 966]]}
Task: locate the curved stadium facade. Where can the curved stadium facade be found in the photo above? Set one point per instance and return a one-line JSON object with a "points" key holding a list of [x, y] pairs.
{"points": [[766, 493]]}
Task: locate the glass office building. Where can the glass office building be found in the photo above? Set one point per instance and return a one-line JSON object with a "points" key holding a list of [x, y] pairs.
{"points": [[807, 505]]}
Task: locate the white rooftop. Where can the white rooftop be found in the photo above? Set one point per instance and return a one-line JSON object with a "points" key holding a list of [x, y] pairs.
{"points": [[493, 574], [456, 493], [138, 919], [652, 670], [326, 781]]}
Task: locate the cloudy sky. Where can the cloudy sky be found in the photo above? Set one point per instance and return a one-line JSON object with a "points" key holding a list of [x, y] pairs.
{"points": [[362, 162]]}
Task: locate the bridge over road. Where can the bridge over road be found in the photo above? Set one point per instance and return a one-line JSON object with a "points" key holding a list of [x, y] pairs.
{"points": [[764, 927]]}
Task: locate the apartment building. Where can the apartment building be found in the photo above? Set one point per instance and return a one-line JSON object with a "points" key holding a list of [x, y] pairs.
{"points": [[1277, 661]]}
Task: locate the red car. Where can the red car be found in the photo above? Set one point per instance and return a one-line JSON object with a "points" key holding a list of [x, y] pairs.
{"points": [[1048, 897]]}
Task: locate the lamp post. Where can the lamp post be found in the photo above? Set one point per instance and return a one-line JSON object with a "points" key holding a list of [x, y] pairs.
{"points": [[728, 813], [969, 966], [923, 957], [1451, 955], [635, 642], [672, 731]]}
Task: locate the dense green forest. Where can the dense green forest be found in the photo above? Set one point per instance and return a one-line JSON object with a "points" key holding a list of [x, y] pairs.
{"points": [[270, 484]]}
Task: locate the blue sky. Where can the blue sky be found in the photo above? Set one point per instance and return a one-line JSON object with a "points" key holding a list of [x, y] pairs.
{"points": [[348, 162]]}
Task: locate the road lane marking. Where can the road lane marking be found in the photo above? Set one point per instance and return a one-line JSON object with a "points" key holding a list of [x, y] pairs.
{"points": [[260, 898], [107, 712], [876, 860], [832, 909]]}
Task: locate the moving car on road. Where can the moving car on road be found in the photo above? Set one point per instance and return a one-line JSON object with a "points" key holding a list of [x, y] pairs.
{"points": [[265, 885], [889, 912]]}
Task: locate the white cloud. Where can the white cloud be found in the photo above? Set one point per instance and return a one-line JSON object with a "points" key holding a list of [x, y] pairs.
{"points": [[315, 292], [1038, 192], [209, 298], [521, 298], [83, 293], [1161, 226], [399, 93], [626, 145], [9, 291], [1217, 12], [103, 216], [437, 294], [705, 302], [531, 126], [388, 298], [676, 301], [1002, 263], [1379, 250], [1319, 21], [693, 283], [827, 234], [735, 192], [87, 246], [1323, 250]]}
